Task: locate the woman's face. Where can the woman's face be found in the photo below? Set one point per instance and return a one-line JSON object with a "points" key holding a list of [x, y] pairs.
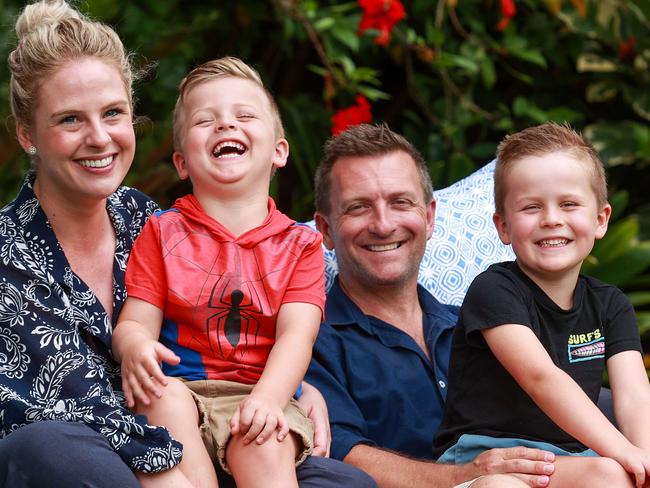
{"points": [[82, 128]]}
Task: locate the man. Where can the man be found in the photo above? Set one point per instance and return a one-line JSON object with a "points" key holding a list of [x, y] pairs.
{"points": [[381, 356]]}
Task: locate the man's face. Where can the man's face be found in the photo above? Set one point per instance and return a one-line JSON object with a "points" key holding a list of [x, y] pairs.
{"points": [[378, 221]]}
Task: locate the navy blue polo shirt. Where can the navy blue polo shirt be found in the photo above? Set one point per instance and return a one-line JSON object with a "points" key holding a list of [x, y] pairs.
{"points": [[381, 388]]}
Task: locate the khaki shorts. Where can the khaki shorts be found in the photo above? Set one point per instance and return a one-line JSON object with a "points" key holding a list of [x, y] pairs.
{"points": [[217, 401]]}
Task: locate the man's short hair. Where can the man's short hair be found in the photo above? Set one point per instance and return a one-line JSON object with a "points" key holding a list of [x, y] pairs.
{"points": [[544, 139], [361, 141]]}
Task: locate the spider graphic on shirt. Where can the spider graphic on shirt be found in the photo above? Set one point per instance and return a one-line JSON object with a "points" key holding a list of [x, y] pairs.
{"points": [[236, 315]]}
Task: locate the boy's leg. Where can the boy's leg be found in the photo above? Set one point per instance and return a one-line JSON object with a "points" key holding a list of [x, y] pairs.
{"points": [[270, 465], [589, 472], [320, 472], [177, 411], [570, 472], [495, 481], [61, 454], [172, 478]]}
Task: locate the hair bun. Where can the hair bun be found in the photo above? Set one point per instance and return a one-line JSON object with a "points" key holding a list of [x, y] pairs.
{"points": [[45, 12]]}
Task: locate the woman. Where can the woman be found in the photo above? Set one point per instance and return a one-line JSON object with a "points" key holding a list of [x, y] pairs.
{"points": [[64, 242]]}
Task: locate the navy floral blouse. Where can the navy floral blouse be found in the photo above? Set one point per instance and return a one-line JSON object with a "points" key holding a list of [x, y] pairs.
{"points": [[55, 337]]}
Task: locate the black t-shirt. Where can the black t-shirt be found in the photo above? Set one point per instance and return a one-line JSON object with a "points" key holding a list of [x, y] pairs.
{"points": [[483, 397]]}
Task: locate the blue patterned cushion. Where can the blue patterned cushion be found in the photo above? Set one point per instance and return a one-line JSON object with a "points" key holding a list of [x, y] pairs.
{"points": [[464, 240]]}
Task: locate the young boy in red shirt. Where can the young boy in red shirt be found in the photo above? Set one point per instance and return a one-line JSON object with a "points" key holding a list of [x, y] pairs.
{"points": [[226, 290]]}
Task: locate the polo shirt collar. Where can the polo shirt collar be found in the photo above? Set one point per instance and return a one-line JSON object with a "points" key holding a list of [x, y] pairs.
{"points": [[341, 310]]}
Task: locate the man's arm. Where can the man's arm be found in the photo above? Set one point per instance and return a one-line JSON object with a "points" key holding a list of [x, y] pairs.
{"points": [[327, 374], [392, 470]]}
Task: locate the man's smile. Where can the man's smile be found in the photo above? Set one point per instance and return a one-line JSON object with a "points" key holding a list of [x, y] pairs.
{"points": [[383, 247]]}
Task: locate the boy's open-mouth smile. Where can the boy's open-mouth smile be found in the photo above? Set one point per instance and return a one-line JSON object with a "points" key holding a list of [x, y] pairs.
{"points": [[229, 149], [548, 243]]}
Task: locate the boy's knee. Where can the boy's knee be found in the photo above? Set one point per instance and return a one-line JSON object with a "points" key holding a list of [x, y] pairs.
{"points": [[176, 397], [269, 454], [608, 472], [499, 481]]}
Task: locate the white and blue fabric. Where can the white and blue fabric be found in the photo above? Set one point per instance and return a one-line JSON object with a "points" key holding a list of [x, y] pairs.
{"points": [[464, 241]]}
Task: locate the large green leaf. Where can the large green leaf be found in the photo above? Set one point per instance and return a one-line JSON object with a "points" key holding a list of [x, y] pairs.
{"points": [[617, 142], [620, 237], [639, 298], [620, 269]]}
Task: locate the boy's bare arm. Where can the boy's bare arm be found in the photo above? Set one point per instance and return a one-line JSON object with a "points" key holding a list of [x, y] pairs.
{"points": [[136, 347], [631, 393], [549, 387], [296, 330], [392, 470]]}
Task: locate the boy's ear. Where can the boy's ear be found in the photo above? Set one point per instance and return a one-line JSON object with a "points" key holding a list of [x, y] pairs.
{"points": [[323, 227], [24, 137], [502, 228], [180, 165], [280, 153], [603, 220]]}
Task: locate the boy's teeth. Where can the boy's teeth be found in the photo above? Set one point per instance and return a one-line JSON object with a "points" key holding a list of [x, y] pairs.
{"points": [[384, 247], [553, 242], [96, 163], [229, 147]]}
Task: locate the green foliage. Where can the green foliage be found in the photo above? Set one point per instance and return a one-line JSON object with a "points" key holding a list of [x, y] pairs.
{"points": [[622, 259], [449, 80]]}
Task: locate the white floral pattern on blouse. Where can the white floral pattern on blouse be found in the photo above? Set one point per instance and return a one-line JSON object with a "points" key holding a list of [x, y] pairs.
{"points": [[55, 337]]}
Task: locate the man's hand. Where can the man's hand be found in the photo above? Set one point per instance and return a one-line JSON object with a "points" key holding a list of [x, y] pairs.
{"points": [[314, 404], [256, 418], [533, 466]]}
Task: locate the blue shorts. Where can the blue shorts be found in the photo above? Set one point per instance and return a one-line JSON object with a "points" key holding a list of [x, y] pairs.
{"points": [[471, 445]]}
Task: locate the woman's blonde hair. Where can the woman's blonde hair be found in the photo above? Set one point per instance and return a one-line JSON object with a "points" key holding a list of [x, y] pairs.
{"points": [[51, 33]]}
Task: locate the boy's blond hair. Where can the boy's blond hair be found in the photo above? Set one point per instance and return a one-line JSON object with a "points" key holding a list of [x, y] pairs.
{"points": [[215, 69], [544, 139]]}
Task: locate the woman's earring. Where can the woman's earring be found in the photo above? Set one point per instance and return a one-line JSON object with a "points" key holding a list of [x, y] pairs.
{"points": [[31, 150]]}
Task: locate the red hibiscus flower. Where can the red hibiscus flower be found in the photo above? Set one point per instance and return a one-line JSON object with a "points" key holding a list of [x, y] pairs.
{"points": [[508, 11], [381, 15], [627, 48], [354, 115]]}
